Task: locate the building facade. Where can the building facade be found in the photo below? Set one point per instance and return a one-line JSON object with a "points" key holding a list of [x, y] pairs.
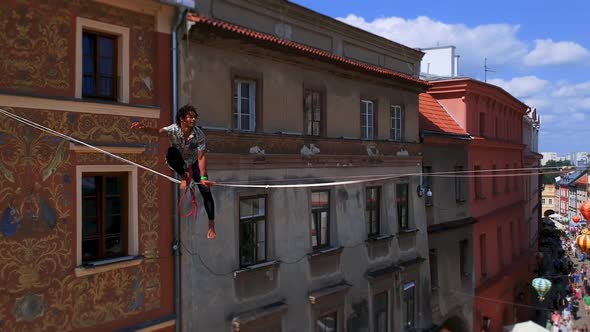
{"points": [[85, 242], [501, 233], [549, 200], [288, 96], [581, 192], [531, 178], [447, 214]]}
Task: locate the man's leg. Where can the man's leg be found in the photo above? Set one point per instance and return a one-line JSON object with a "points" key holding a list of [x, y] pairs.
{"points": [[207, 201], [176, 163]]}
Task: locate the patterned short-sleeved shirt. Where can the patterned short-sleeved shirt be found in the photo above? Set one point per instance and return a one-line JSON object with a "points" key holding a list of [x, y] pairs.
{"points": [[188, 147]]}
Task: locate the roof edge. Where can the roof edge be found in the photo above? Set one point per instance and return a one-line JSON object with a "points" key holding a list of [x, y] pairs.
{"points": [[309, 50]]}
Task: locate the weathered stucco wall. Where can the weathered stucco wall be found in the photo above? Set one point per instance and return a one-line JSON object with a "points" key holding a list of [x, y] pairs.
{"points": [[210, 301], [207, 77]]}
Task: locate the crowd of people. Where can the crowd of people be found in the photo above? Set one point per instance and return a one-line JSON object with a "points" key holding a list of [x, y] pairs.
{"points": [[571, 285]]}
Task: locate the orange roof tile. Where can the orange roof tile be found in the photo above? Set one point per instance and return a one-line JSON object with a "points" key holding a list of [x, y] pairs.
{"points": [[433, 117], [583, 180], [307, 49]]}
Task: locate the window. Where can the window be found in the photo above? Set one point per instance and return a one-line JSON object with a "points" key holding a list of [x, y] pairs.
{"points": [[313, 113], [102, 61], [367, 119], [482, 124], [99, 65], [327, 322], [409, 304], [500, 246], [372, 196], [397, 122], [550, 201], [459, 184], [477, 182], [433, 268], [401, 202], [482, 255], [463, 250], [380, 312], [106, 214], [104, 218], [427, 184], [245, 105], [494, 180], [544, 201], [252, 230], [320, 219]]}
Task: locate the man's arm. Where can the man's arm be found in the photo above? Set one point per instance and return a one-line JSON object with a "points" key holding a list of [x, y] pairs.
{"points": [[150, 131], [202, 162]]}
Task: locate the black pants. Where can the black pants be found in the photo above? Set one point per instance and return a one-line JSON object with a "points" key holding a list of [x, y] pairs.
{"points": [[175, 162]]}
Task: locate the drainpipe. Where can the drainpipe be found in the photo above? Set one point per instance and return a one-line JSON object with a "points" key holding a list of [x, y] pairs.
{"points": [[176, 243]]}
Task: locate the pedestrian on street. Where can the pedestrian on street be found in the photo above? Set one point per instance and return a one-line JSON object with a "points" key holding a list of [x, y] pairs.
{"points": [[587, 304]]}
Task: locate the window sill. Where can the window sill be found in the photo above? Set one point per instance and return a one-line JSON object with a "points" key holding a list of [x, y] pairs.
{"points": [[405, 232], [330, 251], [379, 238], [79, 105], [85, 270], [257, 267]]}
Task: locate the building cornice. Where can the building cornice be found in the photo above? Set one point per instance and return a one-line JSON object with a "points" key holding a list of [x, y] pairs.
{"points": [[469, 88]]}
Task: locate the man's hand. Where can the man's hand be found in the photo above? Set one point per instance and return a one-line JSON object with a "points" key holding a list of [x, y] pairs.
{"points": [[183, 184], [207, 183]]}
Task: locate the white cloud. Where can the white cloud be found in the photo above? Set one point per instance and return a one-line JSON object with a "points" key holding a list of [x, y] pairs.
{"points": [[519, 87], [548, 52], [473, 44], [582, 103], [572, 90]]}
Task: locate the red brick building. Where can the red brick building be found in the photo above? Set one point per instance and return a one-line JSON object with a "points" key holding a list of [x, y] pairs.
{"points": [[85, 240], [500, 235]]}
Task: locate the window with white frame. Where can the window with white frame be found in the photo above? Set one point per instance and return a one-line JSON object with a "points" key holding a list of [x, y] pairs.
{"points": [[409, 304], [381, 311], [313, 113], [402, 205], [245, 105], [397, 118], [252, 230], [107, 215], [102, 60], [320, 219], [372, 207], [367, 119]]}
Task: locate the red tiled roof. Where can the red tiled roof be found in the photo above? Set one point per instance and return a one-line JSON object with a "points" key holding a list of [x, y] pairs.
{"points": [[583, 180], [306, 49], [433, 117]]}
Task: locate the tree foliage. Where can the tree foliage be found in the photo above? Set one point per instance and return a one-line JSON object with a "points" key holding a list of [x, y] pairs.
{"points": [[550, 166]]}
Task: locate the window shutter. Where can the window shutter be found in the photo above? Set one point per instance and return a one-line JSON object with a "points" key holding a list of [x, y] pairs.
{"points": [[375, 120], [402, 122], [361, 118]]}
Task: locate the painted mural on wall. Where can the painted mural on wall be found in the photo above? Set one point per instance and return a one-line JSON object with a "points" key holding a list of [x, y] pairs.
{"points": [[38, 288], [37, 50], [25, 35]]}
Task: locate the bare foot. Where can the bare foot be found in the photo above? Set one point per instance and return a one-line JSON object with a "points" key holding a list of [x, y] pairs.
{"points": [[211, 232]]}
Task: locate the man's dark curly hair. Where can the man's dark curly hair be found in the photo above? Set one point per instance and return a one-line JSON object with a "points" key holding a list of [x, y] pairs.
{"points": [[184, 111]]}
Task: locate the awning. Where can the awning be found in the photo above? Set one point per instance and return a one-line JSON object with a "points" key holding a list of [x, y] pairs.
{"points": [[528, 326]]}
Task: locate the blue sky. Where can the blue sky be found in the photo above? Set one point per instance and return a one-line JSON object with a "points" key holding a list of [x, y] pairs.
{"points": [[539, 50]]}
